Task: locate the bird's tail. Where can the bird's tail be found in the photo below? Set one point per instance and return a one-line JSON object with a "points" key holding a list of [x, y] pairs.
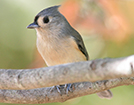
{"points": [[105, 94]]}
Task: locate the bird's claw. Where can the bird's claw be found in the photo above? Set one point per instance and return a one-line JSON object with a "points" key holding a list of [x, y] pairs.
{"points": [[58, 87], [68, 88]]}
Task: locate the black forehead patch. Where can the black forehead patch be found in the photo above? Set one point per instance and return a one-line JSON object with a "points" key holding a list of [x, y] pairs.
{"points": [[35, 19]]}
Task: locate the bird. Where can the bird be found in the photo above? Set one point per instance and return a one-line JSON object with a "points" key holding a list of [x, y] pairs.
{"points": [[59, 43]]}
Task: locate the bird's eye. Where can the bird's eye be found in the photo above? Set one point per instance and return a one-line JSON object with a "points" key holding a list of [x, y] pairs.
{"points": [[46, 19]]}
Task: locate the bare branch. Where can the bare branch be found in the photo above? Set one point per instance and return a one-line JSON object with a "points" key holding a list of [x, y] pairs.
{"points": [[43, 95], [95, 70]]}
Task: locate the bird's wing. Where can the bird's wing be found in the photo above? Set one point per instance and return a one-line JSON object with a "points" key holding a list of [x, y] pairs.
{"points": [[78, 39]]}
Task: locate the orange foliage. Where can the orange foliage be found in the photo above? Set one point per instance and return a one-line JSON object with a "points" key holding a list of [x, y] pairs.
{"points": [[114, 26], [70, 9]]}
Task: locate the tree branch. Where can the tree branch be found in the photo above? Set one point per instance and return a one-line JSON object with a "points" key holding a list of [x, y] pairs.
{"points": [[43, 95], [95, 70]]}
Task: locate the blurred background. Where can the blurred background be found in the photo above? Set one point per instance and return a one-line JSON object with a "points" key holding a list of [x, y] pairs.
{"points": [[105, 25]]}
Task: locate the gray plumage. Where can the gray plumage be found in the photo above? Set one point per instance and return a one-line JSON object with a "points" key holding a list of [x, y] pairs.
{"points": [[65, 29], [51, 11], [58, 42]]}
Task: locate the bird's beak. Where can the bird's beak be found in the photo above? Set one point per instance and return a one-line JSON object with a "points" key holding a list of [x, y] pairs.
{"points": [[32, 25]]}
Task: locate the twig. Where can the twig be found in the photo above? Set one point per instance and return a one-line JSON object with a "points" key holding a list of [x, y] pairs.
{"points": [[43, 95]]}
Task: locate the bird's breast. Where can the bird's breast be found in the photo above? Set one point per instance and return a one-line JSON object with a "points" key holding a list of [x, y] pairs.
{"points": [[56, 51]]}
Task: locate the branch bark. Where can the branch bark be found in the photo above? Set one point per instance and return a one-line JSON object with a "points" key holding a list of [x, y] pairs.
{"points": [[43, 95], [95, 70]]}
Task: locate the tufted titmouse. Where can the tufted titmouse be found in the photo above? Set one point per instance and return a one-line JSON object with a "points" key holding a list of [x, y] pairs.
{"points": [[58, 42]]}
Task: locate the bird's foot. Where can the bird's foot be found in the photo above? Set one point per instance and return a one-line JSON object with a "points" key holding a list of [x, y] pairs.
{"points": [[59, 87], [68, 88]]}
